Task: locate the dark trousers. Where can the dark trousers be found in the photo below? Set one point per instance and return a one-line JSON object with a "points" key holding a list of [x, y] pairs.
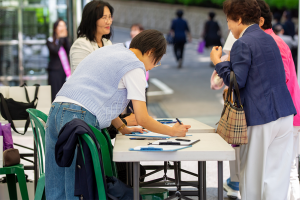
{"points": [[56, 78], [178, 50]]}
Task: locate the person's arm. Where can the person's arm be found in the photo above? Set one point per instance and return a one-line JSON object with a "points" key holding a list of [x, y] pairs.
{"points": [[53, 48], [286, 63], [143, 119], [240, 62], [118, 123], [79, 50], [187, 30]]}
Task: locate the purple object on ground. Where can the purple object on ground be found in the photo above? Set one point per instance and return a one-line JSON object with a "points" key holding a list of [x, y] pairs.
{"points": [[235, 145], [201, 46], [7, 137]]}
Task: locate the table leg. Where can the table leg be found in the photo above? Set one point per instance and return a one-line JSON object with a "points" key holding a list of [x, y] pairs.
{"points": [[204, 180], [136, 180], [220, 180], [200, 180], [127, 173]]}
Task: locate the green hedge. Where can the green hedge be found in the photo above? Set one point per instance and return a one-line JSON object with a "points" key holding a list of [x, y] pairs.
{"points": [[279, 4]]}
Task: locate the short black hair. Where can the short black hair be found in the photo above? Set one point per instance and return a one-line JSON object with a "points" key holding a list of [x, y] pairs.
{"points": [[212, 15], [90, 14], [265, 13], [179, 13], [150, 39]]}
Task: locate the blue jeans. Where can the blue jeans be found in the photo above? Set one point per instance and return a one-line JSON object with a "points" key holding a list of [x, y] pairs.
{"points": [[60, 181]]}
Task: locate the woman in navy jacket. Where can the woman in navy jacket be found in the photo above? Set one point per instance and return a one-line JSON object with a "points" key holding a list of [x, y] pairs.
{"points": [[269, 109]]}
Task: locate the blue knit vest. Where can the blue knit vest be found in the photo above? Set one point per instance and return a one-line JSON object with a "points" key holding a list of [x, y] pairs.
{"points": [[94, 83]]}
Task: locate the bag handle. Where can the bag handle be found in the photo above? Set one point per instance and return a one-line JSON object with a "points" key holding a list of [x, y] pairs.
{"points": [[35, 94], [26, 93], [4, 105], [236, 90], [233, 83]]}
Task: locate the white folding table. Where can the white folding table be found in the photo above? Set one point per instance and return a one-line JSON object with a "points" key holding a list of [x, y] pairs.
{"points": [[210, 148], [196, 126]]}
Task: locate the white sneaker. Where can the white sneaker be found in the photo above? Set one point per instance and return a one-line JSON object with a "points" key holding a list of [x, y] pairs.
{"points": [[231, 193]]}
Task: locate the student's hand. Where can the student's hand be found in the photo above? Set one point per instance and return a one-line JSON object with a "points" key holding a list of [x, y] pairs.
{"points": [[127, 130], [131, 121], [228, 59], [216, 54], [180, 130]]}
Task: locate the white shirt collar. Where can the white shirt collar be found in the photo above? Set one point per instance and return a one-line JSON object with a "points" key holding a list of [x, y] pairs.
{"points": [[242, 33]]}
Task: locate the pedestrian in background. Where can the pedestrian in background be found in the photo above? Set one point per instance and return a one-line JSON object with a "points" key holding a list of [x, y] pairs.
{"points": [[288, 25], [256, 61], [212, 32], [179, 30], [56, 73]]}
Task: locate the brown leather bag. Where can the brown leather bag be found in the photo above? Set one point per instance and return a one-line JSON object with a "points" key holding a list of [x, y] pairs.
{"points": [[11, 157]]}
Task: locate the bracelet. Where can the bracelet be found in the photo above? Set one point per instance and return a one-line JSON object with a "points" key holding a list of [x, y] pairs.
{"points": [[121, 127]]}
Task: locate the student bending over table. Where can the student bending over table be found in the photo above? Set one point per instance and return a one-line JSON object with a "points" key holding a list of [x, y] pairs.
{"points": [[98, 94]]}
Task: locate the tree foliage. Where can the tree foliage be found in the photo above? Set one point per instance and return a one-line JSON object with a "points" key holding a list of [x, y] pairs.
{"points": [[279, 4]]}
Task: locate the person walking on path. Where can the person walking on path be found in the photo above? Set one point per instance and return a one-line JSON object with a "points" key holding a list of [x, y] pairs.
{"points": [[212, 32], [179, 30]]}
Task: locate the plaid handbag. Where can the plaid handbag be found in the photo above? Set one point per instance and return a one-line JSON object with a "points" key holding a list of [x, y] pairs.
{"points": [[232, 126]]}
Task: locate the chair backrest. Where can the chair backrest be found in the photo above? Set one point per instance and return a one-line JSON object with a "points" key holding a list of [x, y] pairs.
{"points": [[106, 151], [38, 130], [96, 163]]}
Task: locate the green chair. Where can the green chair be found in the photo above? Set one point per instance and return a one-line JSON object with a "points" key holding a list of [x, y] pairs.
{"points": [[39, 138], [11, 173], [96, 163], [110, 169]]}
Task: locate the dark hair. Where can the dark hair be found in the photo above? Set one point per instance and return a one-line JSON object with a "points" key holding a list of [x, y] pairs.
{"points": [[179, 13], [150, 39], [247, 10], [288, 15], [277, 16], [265, 13], [138, 25], [91, 13], [211, 15], [54, 29]]}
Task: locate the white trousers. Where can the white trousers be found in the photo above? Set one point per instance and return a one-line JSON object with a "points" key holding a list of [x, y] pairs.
{"points": [[266, 160], [294, 190]]}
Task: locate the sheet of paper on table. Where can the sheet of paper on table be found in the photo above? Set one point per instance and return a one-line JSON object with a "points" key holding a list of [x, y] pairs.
{"points": [[149, 134], [158, 148], [182, 143]]}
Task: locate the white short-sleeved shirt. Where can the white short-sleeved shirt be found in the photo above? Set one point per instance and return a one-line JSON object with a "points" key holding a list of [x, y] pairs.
{"points": [[134, 81]]}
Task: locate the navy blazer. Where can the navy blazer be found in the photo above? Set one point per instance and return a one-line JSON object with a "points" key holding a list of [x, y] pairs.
{"points": [[256, 61]]}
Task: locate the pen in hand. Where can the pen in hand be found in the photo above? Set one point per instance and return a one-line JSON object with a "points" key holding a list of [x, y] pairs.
{"points": [[130, 109], [179, 121]]}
